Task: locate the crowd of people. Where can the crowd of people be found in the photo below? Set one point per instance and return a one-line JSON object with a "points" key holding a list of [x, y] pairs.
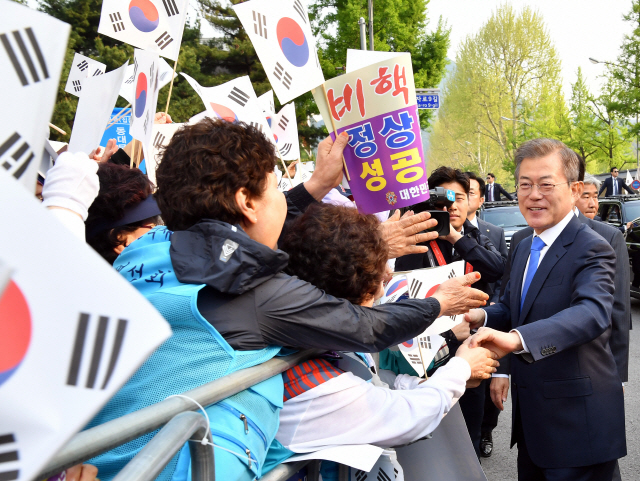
{"points": [[244, 273]]}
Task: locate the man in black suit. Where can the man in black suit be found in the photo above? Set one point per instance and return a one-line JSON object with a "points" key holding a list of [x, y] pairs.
{"points": [[496, 235], [493, 190], [613, 186], [470, 244], [568, 409]]}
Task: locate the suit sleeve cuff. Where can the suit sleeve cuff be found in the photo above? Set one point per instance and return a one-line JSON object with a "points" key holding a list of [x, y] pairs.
{"points": [[526, 354]]}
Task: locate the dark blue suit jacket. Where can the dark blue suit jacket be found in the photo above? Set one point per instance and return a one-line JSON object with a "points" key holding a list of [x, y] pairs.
{"points": [[496, 236], [607, 186], [567, 390]]}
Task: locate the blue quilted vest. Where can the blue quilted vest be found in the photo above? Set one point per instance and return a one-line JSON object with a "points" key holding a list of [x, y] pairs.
{"points": [[245, 423]]}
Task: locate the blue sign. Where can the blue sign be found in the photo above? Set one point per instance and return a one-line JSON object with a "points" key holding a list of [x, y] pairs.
{"points": [[635, 184], [428, 101], [118, 130]]}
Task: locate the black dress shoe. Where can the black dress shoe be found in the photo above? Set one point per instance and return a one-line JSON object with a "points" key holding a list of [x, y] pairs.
{"points": [[486, 445]]}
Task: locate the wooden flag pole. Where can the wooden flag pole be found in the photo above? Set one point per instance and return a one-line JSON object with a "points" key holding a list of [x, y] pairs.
{"points": [[175, 64], [54, 127], [286, 171], [335, 131], [122, 113], [134, 150]]}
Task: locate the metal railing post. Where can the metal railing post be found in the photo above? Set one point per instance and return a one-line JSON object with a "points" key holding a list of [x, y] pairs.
{"points": [[99, 439], [157, 453]]}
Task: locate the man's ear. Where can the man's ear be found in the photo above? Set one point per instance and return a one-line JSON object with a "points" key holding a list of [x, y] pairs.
{"points": [[246, 205]]}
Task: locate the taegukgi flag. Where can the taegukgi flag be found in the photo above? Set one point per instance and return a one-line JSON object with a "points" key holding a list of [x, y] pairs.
{"points": [[72, 332], [268, 106], [376, 106], [234, 101], [161, 135], [127, 90], [152, 25], [81, 68], [31, 58], [281, 35], [94, 109], [285, 132], [146, 86]]}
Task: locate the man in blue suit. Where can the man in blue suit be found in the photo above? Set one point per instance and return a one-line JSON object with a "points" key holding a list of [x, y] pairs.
{"points": [[555, 316]]}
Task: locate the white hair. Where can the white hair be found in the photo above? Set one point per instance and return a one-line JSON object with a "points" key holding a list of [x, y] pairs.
{"points": [[591, 180]]}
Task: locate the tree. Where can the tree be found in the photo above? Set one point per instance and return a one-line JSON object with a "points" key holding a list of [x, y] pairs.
{"points": [[235, 57], [508, 70], [84, 17], [611, 136], [398, 26], [625, 71], [583, 120]]}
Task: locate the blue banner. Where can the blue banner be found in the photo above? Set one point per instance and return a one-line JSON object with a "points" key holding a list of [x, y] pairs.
{"points": [[118, 130]]}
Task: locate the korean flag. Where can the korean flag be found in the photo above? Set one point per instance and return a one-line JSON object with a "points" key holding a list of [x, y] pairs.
{"points": [[424, 282], [145, 97], [268, 106], [127, 91], [153, 25], [72, 332], [234, 101], [281, 35], [31, 58], [285, 132], [160, 137], [81, 68]]}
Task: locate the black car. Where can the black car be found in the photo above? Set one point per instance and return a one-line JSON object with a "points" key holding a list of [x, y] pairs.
{"points": [[618, 211], [503, 214]]}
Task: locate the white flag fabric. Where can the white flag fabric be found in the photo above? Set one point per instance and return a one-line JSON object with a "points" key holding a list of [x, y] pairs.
{"points": [[127, 91], [161, 136], [281, 35], [143, 108], [81, 68], [72, 332], [31, 57], [285, 131], [629, 179], [152, 25], [268, 106], [424, 282], [233, 101], [411, 351], [94, 109], [285, 184]]}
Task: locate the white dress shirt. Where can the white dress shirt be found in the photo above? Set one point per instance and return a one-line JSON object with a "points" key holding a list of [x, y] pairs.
{"points": [[548, 236], [474, 221]]}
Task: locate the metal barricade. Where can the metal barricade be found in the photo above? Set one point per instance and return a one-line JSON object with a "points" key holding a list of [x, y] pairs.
{"points": [[100, 439]]}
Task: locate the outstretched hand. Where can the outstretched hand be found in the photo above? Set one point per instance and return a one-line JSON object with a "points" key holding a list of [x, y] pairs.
{"points": [[475, 318], [456, 297], [482, 361], [500, 343], [402, 234]]}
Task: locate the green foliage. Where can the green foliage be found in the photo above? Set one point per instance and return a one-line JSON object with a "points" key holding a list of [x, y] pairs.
{"points": [[235, 57], [508, 70], [626, 101], [398, 26]]}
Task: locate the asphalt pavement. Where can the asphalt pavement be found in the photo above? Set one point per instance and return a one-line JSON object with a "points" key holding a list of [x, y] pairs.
{"points": [[501, 466]]}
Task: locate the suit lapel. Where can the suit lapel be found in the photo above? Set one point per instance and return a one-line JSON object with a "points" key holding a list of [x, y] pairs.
{"points": [[551, 258], [517, 274]]}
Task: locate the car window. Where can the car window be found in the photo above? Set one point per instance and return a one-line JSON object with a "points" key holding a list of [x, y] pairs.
{"points": [[632, 210], [610, 213], [505, 217]]}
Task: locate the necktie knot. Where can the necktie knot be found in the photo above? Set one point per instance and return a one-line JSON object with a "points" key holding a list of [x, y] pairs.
{"points": [[537, 244]]}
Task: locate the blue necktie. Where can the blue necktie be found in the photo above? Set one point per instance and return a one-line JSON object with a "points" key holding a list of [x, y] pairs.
{"points": [[536, 246]]}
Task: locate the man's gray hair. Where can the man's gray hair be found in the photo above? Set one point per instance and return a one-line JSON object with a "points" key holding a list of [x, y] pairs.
{"points": [[538, 148], [591, 180]]}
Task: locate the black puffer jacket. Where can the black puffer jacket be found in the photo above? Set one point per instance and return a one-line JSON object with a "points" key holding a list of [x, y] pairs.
{"points": [[253, 304]]}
